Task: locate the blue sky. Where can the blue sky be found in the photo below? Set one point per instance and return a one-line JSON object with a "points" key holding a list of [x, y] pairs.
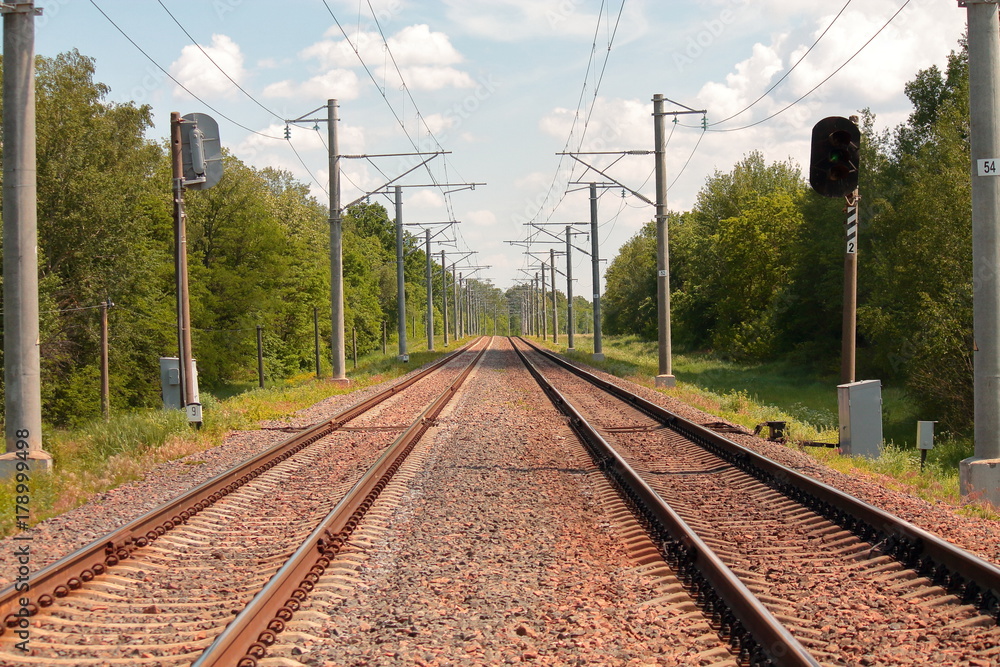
{"points": [[505, 85]]}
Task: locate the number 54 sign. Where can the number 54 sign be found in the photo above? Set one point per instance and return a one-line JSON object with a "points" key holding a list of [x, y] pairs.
{"points": [[987, 167]]}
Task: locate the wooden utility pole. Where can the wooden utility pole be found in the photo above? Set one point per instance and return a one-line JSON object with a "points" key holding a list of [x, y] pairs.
{"points": [[105, 374]]}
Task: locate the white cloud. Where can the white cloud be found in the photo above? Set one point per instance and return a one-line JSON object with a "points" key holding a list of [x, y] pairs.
{"points": [[426, 199], [197, 73], [482, 218], [337, 84], [436, 78], [616, 124], [425, 58], [413, 45], [514, 20]]}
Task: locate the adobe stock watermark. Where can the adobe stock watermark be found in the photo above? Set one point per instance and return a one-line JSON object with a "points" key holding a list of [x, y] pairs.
{"points": [[566, 8], [710, 31]]}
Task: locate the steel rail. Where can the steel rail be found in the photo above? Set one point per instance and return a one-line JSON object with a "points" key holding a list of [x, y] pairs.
{"points": [[769, 642], [246, 638], [974, 579], [58, 579]]}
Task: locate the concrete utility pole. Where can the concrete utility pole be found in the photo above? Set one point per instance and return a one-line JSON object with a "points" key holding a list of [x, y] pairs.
{"points": [[22, 358], [979, 476], [461, 321], [595, 250], [337, 345], [444, 296], [430, 292], [555, 309], [570, 322], [454, 286], [665, 377], [400, 278], [545, 307]]}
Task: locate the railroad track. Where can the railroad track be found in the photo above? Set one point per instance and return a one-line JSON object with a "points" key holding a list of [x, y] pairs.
{"points": [[800, 573], [212, 576]]}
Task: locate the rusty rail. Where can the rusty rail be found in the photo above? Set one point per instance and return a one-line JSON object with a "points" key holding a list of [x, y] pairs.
{"points": [[754, 632], [246, 639], [973, 579]]}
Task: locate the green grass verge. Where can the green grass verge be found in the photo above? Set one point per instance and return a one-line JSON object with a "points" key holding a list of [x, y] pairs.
{"points": [[103, 455]]}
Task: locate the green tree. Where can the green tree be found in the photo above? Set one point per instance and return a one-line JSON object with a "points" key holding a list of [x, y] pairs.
{"points": [[104, 233], [917, 313], [629, 304]]}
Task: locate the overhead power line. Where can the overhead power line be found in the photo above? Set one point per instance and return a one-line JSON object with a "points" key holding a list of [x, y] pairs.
{"points": [[171, 77], [817, 86], [790, 69]]}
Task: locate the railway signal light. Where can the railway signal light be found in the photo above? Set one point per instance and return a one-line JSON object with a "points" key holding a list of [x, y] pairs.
{"points": [[835, 157]]}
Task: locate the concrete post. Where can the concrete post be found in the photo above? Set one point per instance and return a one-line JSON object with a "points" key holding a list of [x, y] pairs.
{"points": [[979, 476], [665, 377], [570, 321], [337, 344], [430, 291], [545, 307], [400, 279], [22, 358], [595, 256], [444, 296], [458, 313], [555, 308]]}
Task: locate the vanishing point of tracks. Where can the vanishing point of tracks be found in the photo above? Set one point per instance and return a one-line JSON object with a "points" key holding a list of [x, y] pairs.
{"points": [[776, 569]]}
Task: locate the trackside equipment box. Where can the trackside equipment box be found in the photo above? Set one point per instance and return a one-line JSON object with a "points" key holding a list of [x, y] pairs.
{"points": [[170, 383], [860, 408]]}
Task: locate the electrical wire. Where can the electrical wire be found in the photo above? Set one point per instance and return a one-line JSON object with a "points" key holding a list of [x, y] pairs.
{"points": [[217, 66], [171, 77], [241, 89], [814, 88], [790, 69], [686, 163], [309, 171]]}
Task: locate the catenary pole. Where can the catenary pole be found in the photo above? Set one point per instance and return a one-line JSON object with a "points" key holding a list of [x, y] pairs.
{"points": [[665, 377], [979, 476], [22, 357], [595, 263], [430, 291], [400, 278], [570, 322], [555, 309], [454, 286], [545, 307], [444, 296], [337, 344]]}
